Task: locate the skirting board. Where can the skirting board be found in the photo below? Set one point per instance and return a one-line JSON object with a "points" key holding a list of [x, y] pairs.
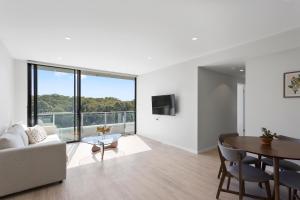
{"points": [[173, 145], [182, 148], [207, 149]]}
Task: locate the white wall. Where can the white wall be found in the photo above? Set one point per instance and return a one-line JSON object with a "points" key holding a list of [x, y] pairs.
{"points": [[217, 107], [20, 89], [6, 88], [241, 108], [179, 130], [265, 105]]}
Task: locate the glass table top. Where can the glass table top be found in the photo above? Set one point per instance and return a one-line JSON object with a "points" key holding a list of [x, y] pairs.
{"points": [[102, 139]]}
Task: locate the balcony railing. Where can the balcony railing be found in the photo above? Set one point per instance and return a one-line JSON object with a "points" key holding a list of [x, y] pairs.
{"points": [[120, 121]]}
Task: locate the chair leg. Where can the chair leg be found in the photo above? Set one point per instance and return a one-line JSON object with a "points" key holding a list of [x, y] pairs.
{"points": [[220, 171], [297, 197], [258, 166], [290, 193], [221, 185], [294, 194], [259, 161], [241, 189], [268, 190], [244, 189], [228, 182], [263, 167]]}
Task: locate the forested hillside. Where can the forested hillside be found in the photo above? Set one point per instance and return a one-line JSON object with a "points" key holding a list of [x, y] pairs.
{"points": [[60, 103]]}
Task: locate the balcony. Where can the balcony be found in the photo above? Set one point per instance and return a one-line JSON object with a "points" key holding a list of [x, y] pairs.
{"points": [[120, 121]]}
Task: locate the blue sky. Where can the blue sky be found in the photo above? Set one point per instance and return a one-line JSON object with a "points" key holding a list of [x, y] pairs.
{"points": [[50, 82]]}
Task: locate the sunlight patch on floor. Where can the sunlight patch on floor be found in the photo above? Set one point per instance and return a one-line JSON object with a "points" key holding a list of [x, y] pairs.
{"points": [[80, 153]]}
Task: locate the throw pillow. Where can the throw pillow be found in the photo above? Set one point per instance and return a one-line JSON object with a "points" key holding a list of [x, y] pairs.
{"points": [[8, 140], [21, 130], [36, 134]]}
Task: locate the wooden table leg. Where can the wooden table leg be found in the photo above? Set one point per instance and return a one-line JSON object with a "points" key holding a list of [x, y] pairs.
{"points": [[259, 161], [95, 148], [276, 178]]}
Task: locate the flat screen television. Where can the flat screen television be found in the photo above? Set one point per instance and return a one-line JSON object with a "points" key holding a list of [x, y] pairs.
{"points": [[163, 105]]}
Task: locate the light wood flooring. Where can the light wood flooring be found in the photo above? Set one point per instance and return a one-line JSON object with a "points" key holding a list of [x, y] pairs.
{"points": [[157, 172]]}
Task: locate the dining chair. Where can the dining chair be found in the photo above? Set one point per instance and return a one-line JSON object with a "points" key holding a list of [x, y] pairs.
{"points": [[247, 160], [283, 164], [240, 171], [291, 180]]}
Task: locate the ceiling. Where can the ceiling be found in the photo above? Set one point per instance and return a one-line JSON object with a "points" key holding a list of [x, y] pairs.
{"points": [[137, 36]]}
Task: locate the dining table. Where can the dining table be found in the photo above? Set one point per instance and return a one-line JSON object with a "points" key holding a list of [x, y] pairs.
{"points": [[278, 149]]}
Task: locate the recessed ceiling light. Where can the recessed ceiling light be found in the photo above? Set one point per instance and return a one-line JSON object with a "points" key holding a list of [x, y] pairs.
{"points": [[242, 70], [149, 58], [67, 38], [194, 38]]}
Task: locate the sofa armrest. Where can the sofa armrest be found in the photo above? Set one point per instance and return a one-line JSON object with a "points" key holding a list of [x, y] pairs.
{"points": [[32, 166]]}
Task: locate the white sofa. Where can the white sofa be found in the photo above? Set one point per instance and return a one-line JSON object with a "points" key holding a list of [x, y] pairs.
{"points": [[32, 165]]}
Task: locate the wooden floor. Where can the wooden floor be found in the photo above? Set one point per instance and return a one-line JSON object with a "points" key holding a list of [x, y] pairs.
{"points": [[164, 172], [79, 154]]}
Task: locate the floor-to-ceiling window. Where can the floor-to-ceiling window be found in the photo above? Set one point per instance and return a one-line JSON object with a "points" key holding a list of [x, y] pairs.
{"points": [[54, 102], [76, 102], [107, 100]]}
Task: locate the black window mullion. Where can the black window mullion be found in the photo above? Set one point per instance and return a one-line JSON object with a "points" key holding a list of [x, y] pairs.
{"points": [[75, 104], [29, 94], [78, 107], [135, 96], [35, 97]]}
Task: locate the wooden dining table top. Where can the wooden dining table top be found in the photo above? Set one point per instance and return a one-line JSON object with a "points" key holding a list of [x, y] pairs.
{"points": [[278, 148]]}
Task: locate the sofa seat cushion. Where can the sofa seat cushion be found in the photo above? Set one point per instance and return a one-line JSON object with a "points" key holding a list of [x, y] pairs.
{"points": [[8, 140], [50, 138]]}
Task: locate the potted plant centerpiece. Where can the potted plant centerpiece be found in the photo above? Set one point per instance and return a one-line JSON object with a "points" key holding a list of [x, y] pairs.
{"points": [[267, 136], [102, 130]]}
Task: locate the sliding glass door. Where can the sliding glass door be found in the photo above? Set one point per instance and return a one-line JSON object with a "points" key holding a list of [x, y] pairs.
{"points": [[54, 101], [73, 103], [107, 101]]}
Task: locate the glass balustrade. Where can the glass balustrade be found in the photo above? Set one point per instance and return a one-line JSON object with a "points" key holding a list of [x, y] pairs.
{"points": [[119, 121]]}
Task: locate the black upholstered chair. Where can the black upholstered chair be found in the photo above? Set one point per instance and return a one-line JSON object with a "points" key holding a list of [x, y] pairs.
{"points": [[240, 171], [283, 164], [291, 180], [247, 159]]}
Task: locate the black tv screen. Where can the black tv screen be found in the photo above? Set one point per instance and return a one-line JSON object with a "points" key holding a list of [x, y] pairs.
{"points": [[163, 105]]}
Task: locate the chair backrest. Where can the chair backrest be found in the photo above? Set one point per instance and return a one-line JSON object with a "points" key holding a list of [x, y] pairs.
{"points": [[286, 138], [224, 135], [230, 154]]}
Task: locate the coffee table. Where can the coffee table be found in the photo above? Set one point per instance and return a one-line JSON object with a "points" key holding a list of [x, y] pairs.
{"points": [[104, 141]]}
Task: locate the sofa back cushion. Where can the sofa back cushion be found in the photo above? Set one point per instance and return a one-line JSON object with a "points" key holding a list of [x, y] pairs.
{"points": [[51, 129], [8, 140], [36, 134], [21, 130]]}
